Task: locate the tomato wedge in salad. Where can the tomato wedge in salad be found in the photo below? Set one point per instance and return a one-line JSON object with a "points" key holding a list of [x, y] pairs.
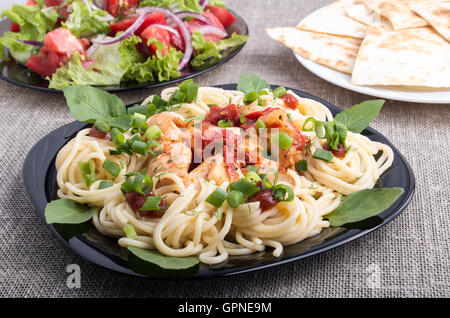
{"points": [[116, 7], [195, 24], [155, 33], [59, 45], [223, 15]]}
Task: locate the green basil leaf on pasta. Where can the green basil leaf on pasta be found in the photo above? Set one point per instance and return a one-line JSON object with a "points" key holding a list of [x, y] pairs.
{"points": [[88, 104], [359, 117], [363, 204], [66, 211], [249, 82], [165, 262]]}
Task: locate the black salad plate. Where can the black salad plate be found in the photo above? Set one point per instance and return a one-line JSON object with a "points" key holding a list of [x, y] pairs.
{"points": [[40, 179], [20, 75]]}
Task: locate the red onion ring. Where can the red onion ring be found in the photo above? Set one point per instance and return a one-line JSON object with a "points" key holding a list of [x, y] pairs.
{"points": [[210, 29], [186, 35], [125, 34], [100, 4], [203, 3], [197, 16], [34, 43]]}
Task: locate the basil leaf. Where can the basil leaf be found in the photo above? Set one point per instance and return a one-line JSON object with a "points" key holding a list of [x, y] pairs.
{"points": [[65, 211], [359, 117], [163, 261], [89, 103], [362, 205], [249, 82]]}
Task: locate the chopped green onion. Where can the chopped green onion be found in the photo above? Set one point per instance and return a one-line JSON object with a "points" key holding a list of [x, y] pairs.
{"points": [[117, 137], [242, 119], [250, 97], [217, 198], [280, 91], [334, 142], [301, 165], [132, 139], [224, 123], [151, 204], [139, 147], [252, 177], [329, 130], [105, 184], [138, 119], [260, 124], [308, 120], [200, 117], [114, 152], [153, 132], [88, 172], [265, 182], [290, 117], [151, 110], [322, 154], [282, 140], [148, 182], [129, 231], [111, 168], [127, 186], [102, 125], [341, 129], [141, 109], [283, 193], [245, 186], [235, 198], [319, 130]]}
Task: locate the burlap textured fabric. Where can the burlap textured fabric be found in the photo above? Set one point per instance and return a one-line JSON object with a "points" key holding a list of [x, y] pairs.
{"points": [[410, 254]]}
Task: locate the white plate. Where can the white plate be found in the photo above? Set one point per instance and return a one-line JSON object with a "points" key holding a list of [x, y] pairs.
{"points": [[431, 96], [415, 95]]}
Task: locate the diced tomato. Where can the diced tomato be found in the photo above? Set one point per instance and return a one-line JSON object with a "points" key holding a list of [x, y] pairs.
{"points": [[265, 198], [257, 114], [224, 16], [136, 201], [51, 3], [95, 133], [290, 101], [59, 45], [153, 32], [15, 27], [230, 112], [152, 18], [115, 7], [339, 153], [31, 3]]}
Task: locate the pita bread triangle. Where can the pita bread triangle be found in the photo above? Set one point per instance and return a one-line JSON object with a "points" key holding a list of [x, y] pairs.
{"points": [[437, 15]]}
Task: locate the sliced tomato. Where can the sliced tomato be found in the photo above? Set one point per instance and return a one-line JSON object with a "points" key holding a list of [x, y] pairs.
{"points": [[51, 3], [31, 3], [62, 41], [194, 24], [178, 42], [224, 16], [59, 45], [153, 32], [152, 18], [115, 7], [15, 27], [63, 11]]}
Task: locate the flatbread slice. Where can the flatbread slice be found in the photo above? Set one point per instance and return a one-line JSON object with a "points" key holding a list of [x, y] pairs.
{"points": [[336, 52], [361, 14], [399, 13], [413, 57], [437, 15], [332, 19]]}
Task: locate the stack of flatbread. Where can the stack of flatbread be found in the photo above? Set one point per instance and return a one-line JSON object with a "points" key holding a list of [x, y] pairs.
{"points": [[378, 42]]}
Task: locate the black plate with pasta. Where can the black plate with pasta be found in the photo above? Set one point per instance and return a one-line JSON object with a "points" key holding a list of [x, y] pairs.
{"points": [[40, 175], [18, 74]]}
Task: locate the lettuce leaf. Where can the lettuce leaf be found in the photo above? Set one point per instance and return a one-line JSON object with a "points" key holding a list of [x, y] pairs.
{"points": [[157, 68], [85, 23], [34, 24], [157, 3], [208, 52], [217, 3], [183, 5], [107, 69]]}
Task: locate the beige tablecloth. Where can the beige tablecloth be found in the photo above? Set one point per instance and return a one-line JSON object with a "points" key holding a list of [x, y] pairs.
{"points": [[407, 257]]}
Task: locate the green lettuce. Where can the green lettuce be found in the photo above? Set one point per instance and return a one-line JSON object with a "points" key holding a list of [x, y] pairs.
{"points": [[85, 23], [34, 25], [183, 5], [217, 3], [208, 52], [107, 69], [153, 69]]}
